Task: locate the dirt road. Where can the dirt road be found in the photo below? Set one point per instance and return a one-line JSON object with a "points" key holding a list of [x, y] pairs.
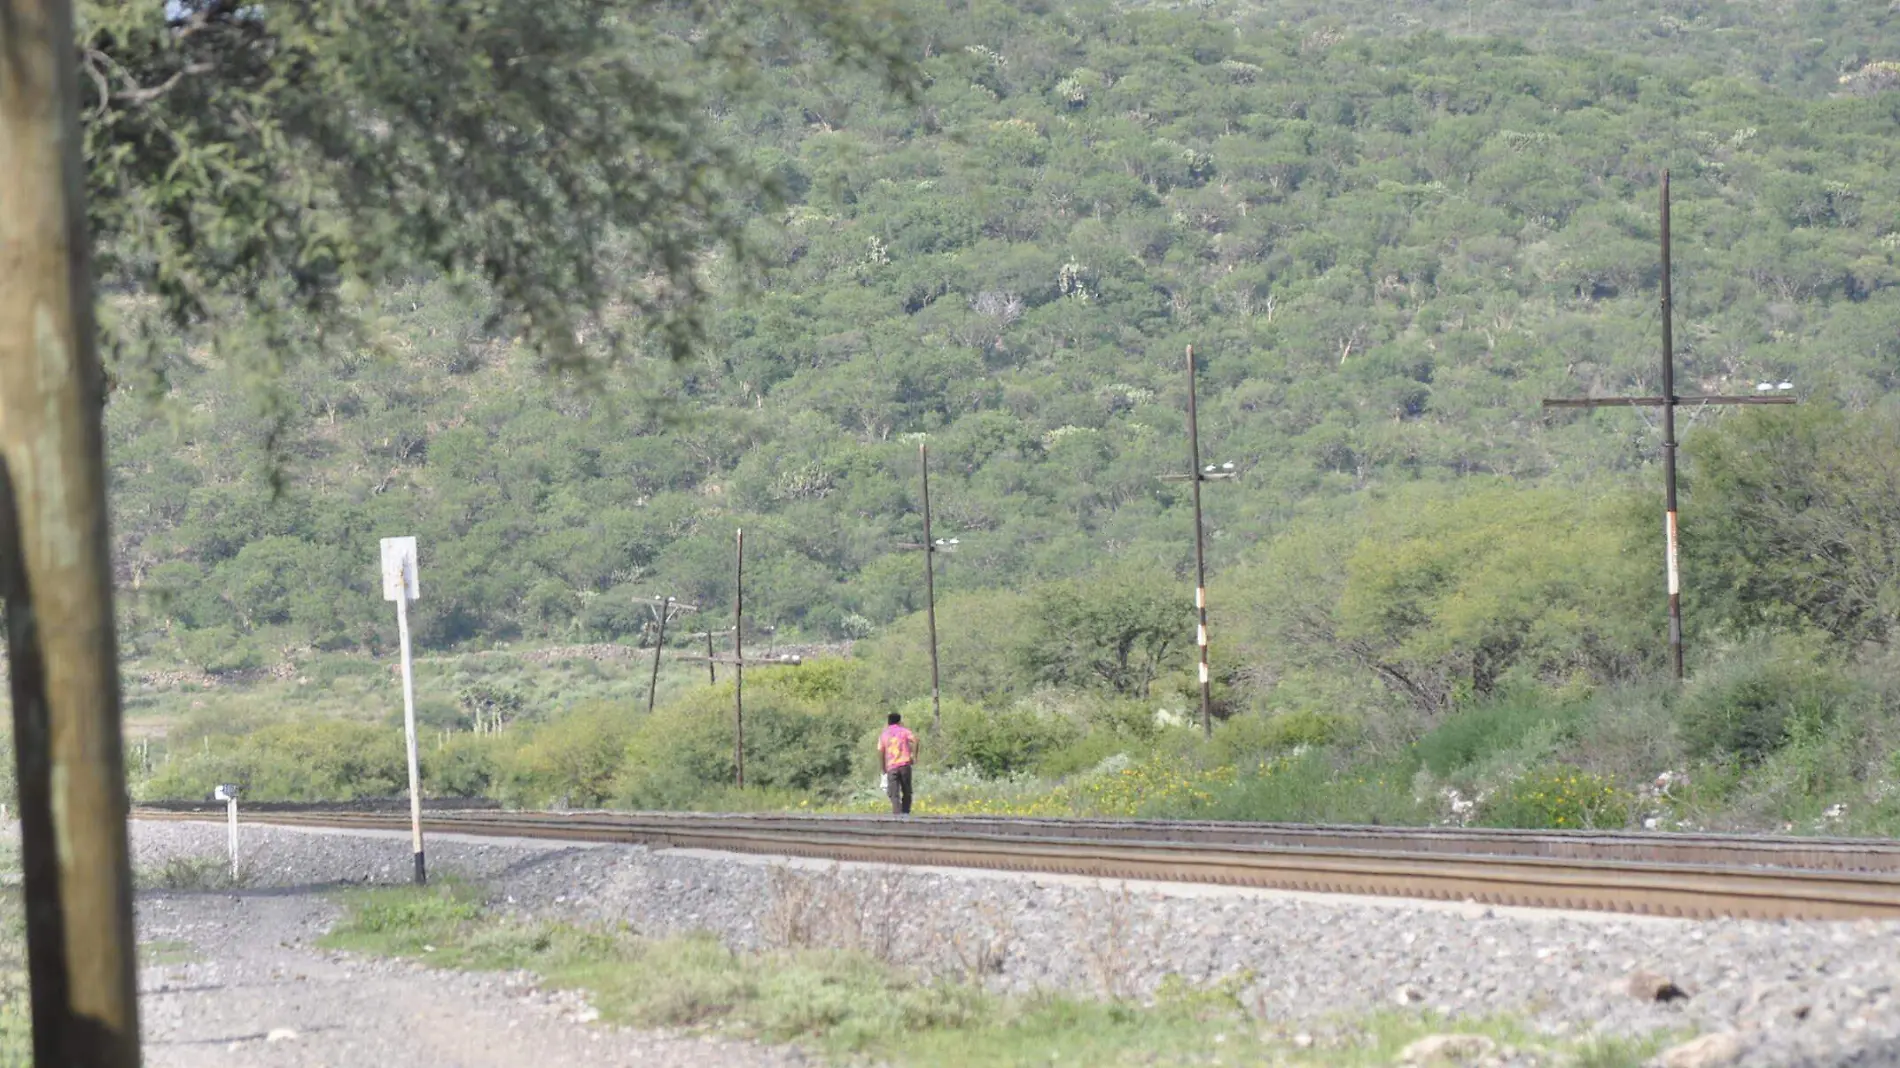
{"points": [[236, 979]]}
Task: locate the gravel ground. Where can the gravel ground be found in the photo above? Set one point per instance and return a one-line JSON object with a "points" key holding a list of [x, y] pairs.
{"points": [[250, 990], [1791, 995]]}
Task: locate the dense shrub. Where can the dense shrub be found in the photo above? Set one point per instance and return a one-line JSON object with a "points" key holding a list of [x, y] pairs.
{"points": [[1319, 786], [999, 742], [1557, 798], [221, 650], [466, 765], [981, 633], [304, 760], [1472, 734], [572, 760], [1250, 736], [1744, 707], [684, 750]]}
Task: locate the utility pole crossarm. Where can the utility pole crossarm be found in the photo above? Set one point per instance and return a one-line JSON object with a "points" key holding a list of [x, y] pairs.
{"points": [[783, 660], [670, 603], [1657, 402], [663, 610], [1669, 400]]}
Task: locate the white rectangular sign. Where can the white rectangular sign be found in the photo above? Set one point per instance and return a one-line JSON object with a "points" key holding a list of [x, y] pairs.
{"points": [[399, 569]]}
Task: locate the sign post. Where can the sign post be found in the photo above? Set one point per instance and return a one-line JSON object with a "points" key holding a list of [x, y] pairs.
{"points": [[401, 585], [229, 795]]}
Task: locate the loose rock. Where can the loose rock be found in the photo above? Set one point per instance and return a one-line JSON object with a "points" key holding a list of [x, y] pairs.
{"points": [[1648, 986], [1447, 1049], [1709, 1051]]}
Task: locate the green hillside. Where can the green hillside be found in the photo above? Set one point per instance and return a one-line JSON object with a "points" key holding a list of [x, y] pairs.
{"points": [[1388, 247], [1388, 230]]}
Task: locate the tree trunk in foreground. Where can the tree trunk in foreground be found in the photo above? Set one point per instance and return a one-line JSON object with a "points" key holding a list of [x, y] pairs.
{"points": [[55, 564]]}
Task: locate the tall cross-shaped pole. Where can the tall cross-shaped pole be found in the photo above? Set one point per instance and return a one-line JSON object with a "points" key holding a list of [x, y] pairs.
{"points": [[1197, 475], [1668, 402], [930, 547]]}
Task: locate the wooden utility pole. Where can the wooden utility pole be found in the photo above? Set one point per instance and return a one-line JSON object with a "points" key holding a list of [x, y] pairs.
{"points": [[712, 676], [1195, 476], [711, 658], [738, 660], [930, 548], [930, 593], [55, 565], [1668, 402], [663, 608]]}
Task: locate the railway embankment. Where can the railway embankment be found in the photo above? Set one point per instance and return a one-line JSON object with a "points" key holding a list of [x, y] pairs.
{"points": [[1776, 993]]}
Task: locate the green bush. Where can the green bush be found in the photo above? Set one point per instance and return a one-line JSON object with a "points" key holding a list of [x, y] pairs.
{"points": [[1471, 735], [303, 760], [1317, 786], [999, 742], [467, 765], [433, 714], [1745, 707], [221, 650], [796, 745], [572, 760], [1248, 737], [981, 633], [1557, 798], [1085, 753], [683, 751], [818, 681]]}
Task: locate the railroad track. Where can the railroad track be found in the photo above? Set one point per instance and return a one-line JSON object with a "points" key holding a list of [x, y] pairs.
{"points": [[1656, 874]]}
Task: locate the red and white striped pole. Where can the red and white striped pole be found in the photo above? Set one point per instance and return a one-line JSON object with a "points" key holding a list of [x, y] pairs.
{"points": [[1669, 449], [1200, 551]]}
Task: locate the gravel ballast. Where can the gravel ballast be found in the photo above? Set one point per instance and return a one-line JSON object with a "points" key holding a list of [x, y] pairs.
{"points": [[1807, 994]]}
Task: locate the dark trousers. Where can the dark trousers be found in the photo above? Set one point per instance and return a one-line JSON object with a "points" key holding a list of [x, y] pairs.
{"points": [[898, 786]]}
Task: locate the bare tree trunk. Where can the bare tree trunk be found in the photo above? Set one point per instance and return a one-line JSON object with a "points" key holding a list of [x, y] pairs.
{"points": [[57, 574]]}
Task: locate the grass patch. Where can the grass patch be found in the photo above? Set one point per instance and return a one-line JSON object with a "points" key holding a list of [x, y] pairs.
{"points": [[852, 1006], [161, 952], [206, 872], [1312, 787], [16, 1019]]}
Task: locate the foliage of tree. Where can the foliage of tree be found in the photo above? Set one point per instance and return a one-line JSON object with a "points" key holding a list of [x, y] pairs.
{"points": [[1798, 520], [795, 738], [270, 172], [1446, 595], [1387, 241], [1116, 629]]}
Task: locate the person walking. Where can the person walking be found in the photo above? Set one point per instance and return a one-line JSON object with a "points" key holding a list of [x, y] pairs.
{"points": [[897, 752]]}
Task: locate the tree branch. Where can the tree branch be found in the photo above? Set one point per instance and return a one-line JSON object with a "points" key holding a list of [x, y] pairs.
{"points": [[139, 97]]}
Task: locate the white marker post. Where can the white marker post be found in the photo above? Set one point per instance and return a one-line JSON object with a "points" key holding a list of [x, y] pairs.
{"points": [[228, 794], [401, 585]]}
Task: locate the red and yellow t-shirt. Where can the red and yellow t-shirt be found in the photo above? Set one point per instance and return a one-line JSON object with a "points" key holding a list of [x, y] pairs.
{"points": [[898, 745]]}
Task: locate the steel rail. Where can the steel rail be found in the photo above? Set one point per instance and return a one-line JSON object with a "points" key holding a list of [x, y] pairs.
{"points": [[1732, 850], [1647, 886]]}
